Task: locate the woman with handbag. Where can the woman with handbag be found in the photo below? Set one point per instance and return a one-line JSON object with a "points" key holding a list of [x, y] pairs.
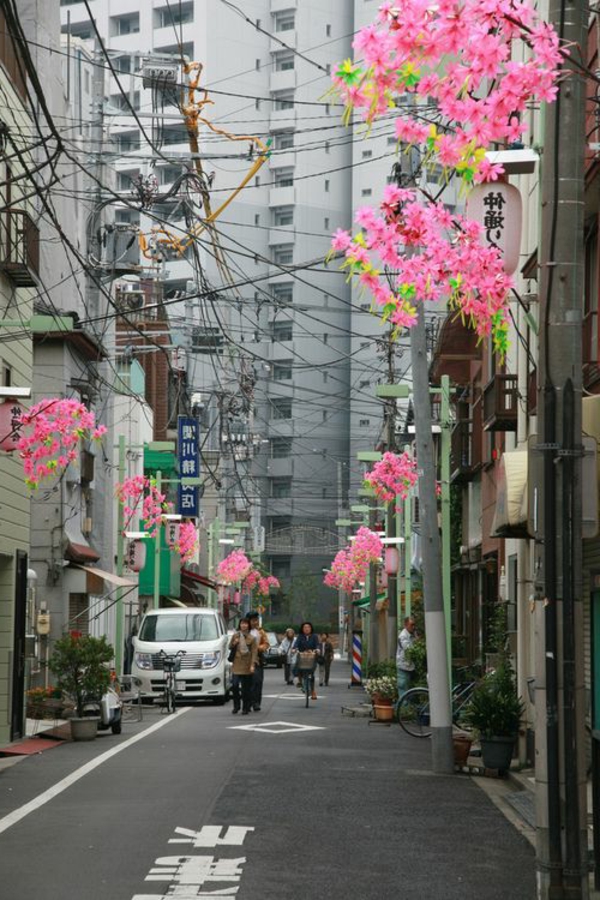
{"points": [[243, 653], [307, 642], [287, 647]]}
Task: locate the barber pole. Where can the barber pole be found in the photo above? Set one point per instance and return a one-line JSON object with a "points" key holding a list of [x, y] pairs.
{"points": [[356, 680]]}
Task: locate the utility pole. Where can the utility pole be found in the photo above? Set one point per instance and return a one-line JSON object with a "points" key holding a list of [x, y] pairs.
{"points": [[390, 523], [374, 649], [560, 771], [435, 630]]}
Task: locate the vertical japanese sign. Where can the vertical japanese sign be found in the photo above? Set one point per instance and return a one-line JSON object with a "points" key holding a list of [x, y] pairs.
{"points": [[499, 210], [189, 464]]}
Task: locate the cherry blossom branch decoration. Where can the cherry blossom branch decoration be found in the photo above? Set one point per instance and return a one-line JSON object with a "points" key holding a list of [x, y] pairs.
{"points": [[393, 476], [234, 568], [50, 434], [351, 564], [139, 494]]}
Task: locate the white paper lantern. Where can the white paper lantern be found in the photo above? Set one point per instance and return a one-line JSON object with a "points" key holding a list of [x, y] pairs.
{"points": [[10, 424], [499, 210], [136, 555], [392, 560]]}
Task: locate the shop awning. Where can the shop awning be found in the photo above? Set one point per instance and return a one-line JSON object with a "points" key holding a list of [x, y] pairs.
{"points": [[80, 553], [111, 577], [510, 516], [365, 602], [200, 579]]}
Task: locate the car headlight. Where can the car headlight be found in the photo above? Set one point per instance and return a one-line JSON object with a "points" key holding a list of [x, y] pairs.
{"points": [[143, 660], [210, 660]]}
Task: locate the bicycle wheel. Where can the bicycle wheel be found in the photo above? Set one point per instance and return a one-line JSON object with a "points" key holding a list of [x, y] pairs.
{"points": [[170, 698], [307, 687], [413, 712]]}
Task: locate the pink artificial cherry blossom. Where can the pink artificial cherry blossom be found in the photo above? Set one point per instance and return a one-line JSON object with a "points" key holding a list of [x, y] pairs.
{"points": [[234, 568], [393, 476]]}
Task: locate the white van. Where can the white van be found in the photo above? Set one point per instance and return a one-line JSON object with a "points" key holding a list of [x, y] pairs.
{"points": [[205, 671]]}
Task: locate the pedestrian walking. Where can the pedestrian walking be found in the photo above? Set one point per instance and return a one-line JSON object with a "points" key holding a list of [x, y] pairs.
{"points": [[287, 648], [324, 658], [307, 642], [262, 645], [245, 663], [404, 666]]}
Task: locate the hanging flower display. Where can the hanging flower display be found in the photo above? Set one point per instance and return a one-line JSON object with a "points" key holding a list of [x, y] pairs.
{"points": [[351, 564], [266, 583], [234, 568], [187, 544], [49, 436], [139, 494], [393, 476]]}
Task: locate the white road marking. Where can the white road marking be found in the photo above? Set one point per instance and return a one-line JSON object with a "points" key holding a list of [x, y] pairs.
{"points": [[277, 727], [285, 696], [18, 814]]}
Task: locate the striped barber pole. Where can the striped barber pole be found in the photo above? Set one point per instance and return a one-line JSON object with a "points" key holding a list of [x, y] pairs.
{"points": [[356, 659]]}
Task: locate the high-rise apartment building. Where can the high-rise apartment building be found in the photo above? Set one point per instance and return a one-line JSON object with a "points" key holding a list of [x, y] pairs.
{"points": [[266, 328]]}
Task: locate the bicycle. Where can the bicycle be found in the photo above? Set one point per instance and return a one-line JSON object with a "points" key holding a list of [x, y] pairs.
{"points": [[171, 663], [306, 663], [414, 714]]}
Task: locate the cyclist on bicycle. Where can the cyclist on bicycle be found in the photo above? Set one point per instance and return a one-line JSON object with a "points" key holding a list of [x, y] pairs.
{"points": [[307, 641], [244, 665]]}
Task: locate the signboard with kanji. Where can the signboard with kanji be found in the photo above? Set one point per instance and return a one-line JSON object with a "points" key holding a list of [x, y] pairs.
{"points": [[498, 209], [188, 457]]}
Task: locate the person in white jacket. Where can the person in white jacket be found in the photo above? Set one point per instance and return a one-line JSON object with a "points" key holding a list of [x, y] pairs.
{"points": [[405, 667], [287, 646]]}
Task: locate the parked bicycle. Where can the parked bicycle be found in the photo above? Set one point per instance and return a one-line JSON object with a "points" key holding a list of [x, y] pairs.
{"points": [[306, 663], [171, 663], [413, 710]]}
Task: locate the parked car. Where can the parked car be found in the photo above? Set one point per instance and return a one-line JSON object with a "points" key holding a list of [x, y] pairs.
{"points": [[274, 654], [202, 634]]}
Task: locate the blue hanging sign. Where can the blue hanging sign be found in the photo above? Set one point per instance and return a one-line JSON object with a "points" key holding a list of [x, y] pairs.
{"points": [[189, 464]]}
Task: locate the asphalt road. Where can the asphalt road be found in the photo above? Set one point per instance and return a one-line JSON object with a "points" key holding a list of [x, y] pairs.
{"points": [[346, 811]]}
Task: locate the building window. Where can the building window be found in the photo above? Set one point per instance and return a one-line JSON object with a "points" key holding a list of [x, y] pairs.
{"points": [[175, 14], [257, 64], [367, 154], [121, 25], [282, 408], [364, 422], [281, 447], [364, 384], [284, 100], [364, 345], [325, 300], [328, 31], [281, 487], [366, 192], [281, 569], [327, 146], [392, 140], [285, 20], [325, 377], [326, 223], [325, 338], [324, 413], [284, 178], [175, 134], [283, 255], [283, 215], [257, 103], [281, 331], [257, 218], [284, 62], [326, 186], [284, 140], [283, 294], [282, 371], [366, 307], [327, 109], [324, 493]]}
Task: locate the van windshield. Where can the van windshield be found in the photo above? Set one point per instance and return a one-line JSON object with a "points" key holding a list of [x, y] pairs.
{"points": [[179, 628]]}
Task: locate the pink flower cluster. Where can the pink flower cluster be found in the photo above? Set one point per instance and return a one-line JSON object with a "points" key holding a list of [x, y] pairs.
{"points": [[393, 476], [266, 583], [457, 57], [187, 541], [351, 564], [51, 431], [234, 568], [141, 488], [435, 255]]}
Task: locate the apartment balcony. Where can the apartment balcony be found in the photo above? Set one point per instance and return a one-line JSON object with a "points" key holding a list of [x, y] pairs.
{"points": [[19, 247], [282, 159], [500, 403], [285, 80], [280, 468], [282, 118], [280, 6], [465, 452], [282, 196], [165, 37], [281, 234]]}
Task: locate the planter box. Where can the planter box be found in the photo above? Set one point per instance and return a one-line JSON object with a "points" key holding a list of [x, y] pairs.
{"points": [[496, 752]]}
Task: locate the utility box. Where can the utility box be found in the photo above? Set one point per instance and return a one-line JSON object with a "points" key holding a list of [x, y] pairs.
{"points": [[42, 624]]}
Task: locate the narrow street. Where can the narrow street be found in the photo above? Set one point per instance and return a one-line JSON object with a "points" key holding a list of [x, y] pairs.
{"points": [[333, 806]]}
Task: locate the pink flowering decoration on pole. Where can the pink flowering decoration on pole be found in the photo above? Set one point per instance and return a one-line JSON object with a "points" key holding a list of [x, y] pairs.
{"points": [[139, 494], [265, 584], [50, 435], [351, 564], [234, 568], [457, 58], [187, 544], [393, 476]]}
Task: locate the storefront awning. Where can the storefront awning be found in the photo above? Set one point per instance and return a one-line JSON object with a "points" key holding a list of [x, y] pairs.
{"points": [[111, 577], [365, 602], [510, 516], [199, 579], [80, 553]]}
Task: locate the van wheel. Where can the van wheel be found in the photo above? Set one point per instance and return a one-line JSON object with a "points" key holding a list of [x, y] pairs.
{"points": [[116, 727]]}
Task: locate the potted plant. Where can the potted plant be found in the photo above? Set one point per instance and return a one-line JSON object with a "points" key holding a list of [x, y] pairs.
{"points": [[383, 692], [495, 712], [80, 665]]}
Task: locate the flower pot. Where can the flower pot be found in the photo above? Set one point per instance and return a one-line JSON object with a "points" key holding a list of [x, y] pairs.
{"points": [[496, 752], [462, 747], [84, 729], [384, 712]]}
